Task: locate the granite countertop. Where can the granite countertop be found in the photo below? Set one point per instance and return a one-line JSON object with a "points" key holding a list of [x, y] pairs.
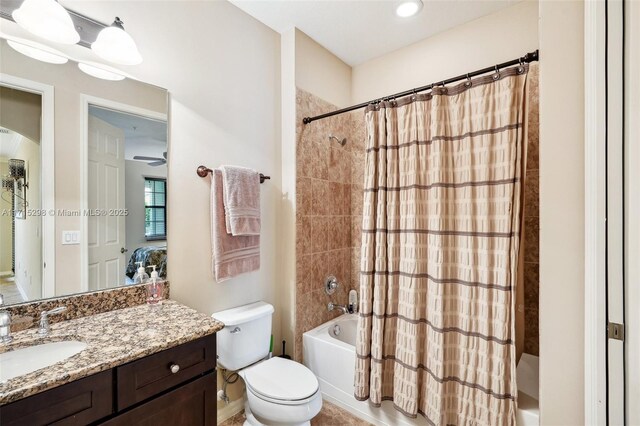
{"points": [[113, 338]]}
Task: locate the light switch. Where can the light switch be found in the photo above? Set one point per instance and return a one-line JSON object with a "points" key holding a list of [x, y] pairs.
{"points": [[70, 237]]}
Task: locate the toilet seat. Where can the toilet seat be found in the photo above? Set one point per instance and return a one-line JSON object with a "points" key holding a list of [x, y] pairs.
{"points": [[281, 381]]}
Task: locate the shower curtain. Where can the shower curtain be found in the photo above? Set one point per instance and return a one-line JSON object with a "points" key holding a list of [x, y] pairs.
{"points": [[440, 240]]}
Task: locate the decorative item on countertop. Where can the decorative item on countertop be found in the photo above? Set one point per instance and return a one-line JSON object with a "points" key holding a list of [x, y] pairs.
{"points": [[141, 275], [155, 288]]}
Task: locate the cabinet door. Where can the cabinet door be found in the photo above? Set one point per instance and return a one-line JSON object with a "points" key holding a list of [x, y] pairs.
{"points": [[147, 377], [77, 403], [193, 404]]}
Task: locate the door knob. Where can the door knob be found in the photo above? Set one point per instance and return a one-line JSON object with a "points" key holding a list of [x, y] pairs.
{"points": [[123, 250]]}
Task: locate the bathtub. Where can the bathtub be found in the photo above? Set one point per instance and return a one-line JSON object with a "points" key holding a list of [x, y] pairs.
{"points": [[329, 351]]}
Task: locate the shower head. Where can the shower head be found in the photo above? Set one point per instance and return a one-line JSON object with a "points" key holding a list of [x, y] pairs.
{"points": [[342, 141]]}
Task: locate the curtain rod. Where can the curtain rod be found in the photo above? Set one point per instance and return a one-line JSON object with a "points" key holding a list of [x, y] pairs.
{"points": [[529, 57]]}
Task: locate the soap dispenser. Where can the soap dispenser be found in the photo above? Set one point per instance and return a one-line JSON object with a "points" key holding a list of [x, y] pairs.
{"points": [[155, 287], [141, 275]]}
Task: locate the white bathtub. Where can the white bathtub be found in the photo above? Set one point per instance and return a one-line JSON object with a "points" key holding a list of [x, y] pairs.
{"points": [[329, 351]]}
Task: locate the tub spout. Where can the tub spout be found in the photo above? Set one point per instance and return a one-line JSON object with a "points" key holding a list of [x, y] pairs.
{"points": [[332, 306]]}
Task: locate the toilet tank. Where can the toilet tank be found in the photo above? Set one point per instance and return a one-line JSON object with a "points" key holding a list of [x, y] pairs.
{"points": [[246, 336]]}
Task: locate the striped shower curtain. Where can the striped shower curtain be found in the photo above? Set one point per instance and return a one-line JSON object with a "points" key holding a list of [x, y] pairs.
{"points": [[440, 241]]}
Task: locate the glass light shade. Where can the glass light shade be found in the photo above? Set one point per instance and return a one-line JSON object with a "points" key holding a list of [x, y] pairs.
{"points": [[47, 19], [115, 45], [408, 8], [99, 71], [38, 51]]}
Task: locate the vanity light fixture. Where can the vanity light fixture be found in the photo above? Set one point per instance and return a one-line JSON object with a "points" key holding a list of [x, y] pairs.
{"points": [[100, 71], [115, 45], [38, 51], [407, 8], [47, 19]]}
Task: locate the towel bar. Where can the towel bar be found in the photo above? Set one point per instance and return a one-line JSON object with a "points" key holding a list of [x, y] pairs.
{"points": [[203, 171]]}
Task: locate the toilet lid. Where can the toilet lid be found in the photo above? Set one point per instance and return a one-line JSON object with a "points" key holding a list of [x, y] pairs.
{"points": [[281, 379]]}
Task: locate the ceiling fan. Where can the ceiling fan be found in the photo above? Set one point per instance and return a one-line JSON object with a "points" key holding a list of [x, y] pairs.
{"points": [[153, 161]]}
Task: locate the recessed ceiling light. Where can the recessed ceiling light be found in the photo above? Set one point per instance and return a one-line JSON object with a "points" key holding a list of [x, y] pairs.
{"points": [[100, 71], [408, 8], [38, 51]]}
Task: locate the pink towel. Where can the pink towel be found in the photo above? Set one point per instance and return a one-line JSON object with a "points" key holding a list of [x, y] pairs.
{"points": [[231, 255], [241, 188]]}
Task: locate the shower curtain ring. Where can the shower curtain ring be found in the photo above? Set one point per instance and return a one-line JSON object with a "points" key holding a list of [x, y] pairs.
{"points": [[497, 74], [468, 82]]}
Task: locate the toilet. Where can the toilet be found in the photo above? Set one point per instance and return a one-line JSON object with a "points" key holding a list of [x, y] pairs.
{"points": [[279, 391]]}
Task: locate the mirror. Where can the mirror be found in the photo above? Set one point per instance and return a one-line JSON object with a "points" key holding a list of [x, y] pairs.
{"points": [[83, 163]]}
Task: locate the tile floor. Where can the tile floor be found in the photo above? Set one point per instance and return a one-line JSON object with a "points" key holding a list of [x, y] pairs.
{"points": [[9, 290], [330, 415]]}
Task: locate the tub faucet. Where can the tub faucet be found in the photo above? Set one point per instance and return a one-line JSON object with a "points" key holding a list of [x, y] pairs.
{"points": [[5, 323], [331, 306]]}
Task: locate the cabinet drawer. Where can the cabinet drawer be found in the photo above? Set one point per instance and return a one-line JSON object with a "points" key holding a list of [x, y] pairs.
{"points": [[193, 404], [77, 403], [147, 377]]}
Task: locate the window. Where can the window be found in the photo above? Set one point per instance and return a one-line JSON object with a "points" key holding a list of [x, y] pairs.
{"points": [[155, 209]]}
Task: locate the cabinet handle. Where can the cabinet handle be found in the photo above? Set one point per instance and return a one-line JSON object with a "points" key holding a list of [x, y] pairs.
{"points": [[174, 368]]}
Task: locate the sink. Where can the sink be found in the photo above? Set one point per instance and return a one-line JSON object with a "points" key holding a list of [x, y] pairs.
{"points": [[25, 360]]}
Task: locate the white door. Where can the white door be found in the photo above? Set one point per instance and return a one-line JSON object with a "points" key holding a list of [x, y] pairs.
{"points": [[632, 211], [615, 215], [106, 186]]}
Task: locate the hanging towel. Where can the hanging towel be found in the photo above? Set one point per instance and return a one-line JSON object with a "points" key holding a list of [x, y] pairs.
{"points": [[231, 255], [241, 200]]}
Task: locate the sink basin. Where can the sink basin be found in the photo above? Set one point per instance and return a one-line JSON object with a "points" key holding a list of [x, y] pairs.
{"points": [[25, 360]]}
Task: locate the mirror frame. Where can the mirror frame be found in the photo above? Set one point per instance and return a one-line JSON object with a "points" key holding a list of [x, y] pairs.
{"points": [[87, 100], [47, 177]]}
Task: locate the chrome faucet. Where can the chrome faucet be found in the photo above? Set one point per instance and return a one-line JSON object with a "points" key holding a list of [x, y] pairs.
{"points": [[43, 329], [331, 306], [5, 323]]}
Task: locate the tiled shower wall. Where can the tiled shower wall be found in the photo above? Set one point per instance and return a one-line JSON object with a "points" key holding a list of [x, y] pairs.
{"points": [[329, 212], [532, 220]]}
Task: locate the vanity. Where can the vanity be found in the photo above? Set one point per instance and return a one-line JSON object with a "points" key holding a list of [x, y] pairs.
{"points": [[141, 365]]}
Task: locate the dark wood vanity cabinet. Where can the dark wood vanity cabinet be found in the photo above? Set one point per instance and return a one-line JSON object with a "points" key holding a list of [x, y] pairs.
{"points": [[174, 387]]}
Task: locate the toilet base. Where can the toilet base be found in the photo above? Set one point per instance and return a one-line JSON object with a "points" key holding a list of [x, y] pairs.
{"points": [[251, 420]]}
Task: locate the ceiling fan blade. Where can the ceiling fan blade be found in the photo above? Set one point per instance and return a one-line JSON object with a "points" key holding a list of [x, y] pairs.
{"points": [[157, 163], [143, 158]]}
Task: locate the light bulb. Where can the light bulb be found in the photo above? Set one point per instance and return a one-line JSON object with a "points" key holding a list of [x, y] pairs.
{"points": [[115, 45], [408, 8], [47, 19]]}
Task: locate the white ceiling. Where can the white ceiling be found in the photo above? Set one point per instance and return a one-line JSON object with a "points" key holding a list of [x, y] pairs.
{"points": [[359, 30], [142, 136]]}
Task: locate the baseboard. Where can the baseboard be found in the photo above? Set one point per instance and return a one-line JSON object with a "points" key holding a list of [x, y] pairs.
{"points": [[230, 410]]}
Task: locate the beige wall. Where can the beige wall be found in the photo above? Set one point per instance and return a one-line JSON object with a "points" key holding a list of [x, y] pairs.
{"points": [[135, 173], [28, 249], [561, 213], [20, 111], [69, 84], [495, 38], [320, 72]]}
